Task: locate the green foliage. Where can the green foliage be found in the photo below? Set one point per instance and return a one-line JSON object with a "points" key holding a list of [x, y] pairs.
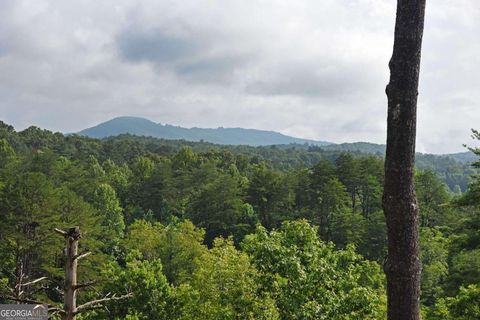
{"points": [[220, 209], [374, 244], [309, 280], [464, 306], [465, 268], [106, 202], [225, 286], [117, 176], [434, 255], [177, 245], [349, 227], [7, 153], [185, 159], [142, 168], [270, 195], [432, 197], [131, 197], [146, 281], [31, 207]]}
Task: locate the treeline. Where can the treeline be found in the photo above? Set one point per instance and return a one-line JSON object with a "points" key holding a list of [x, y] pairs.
{"points": [[206, 232], [123, 148]]}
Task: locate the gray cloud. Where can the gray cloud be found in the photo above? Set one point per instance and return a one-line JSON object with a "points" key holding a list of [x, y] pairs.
{"points": [[212, 69], [334, 80], [194, 54], [156, 46], [311, 68]]}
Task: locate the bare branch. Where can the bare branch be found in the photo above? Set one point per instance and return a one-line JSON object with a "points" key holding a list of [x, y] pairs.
{"points": [[61, 292], [51, 308], [55, 310], [95, 304], [59, 231], [81, 256], [31, 282]]}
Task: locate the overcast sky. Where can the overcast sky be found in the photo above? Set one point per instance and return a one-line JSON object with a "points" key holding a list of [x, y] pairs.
{"points": [[314, 69]]}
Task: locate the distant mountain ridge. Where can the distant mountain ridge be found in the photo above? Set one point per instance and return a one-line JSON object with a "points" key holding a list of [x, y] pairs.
{"points": [[230, 136], [373, 148]]}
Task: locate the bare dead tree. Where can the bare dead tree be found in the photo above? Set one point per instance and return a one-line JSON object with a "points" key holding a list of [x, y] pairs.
{"points": [[23, 287], [70, 308], [402, 266], [20, 286], [23, 284]]}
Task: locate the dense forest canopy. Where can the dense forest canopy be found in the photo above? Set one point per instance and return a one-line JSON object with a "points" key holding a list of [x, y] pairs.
{"points": [[199, 231]]}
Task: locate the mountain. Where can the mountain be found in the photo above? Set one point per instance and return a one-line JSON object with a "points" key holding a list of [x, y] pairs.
{"points": [[232, 136], [466, 157], [237, 136]]}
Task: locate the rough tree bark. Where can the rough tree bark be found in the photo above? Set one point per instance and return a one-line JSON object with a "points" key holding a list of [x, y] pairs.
{"points": [[72, 236], [402, 266]]}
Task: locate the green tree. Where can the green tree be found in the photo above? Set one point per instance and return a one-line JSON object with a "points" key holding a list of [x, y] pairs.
{"points": [[7, 154], [225, 286], [347, 170], [464, 306], [94, 168], [106, 202], [152, 296], [220, 209], [332, 201], [374, 244], [152, 191], [30, 208], [177, 245], [117, 176], [464, 269], [434, 250], [270, 195], [310, 280], [184, 159], [370, 185], [432, 198], [348, 227]]}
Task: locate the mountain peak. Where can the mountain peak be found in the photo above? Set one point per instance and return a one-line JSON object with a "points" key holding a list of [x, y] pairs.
{"points": [[125, 119], [233, 136]]}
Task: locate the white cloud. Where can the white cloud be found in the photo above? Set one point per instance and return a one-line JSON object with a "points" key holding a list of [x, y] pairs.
{"points": [[310, 68]]}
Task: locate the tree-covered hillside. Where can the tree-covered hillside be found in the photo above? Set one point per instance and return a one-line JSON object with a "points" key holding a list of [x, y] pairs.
{"points": [[200, 231], [281, 151], [233, 136]]}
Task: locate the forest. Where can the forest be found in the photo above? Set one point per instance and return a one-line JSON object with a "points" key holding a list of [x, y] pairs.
{"points": [[191, 230]]}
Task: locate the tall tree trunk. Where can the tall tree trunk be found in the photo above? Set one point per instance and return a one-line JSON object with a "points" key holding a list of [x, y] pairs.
{"points": [[402, 266], [71, 263], [70, 308]]}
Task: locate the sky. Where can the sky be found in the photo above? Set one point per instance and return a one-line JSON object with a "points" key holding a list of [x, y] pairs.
{"points": [[313, 69]]}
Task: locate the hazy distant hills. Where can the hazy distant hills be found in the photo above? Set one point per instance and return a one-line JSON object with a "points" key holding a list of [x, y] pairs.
{"points": [[230, 136], [373, 148]]}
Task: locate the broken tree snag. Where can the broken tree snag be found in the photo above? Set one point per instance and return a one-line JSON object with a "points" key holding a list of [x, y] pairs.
{"points": [[70, 309], [402, 266], [72, 236]]}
